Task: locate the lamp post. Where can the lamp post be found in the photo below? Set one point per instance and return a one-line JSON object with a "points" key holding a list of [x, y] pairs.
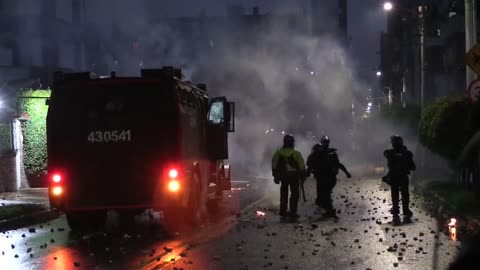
{"points": [[389, 7], [470, 33]]}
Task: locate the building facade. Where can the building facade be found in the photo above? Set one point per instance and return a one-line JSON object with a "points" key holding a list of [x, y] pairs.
{"points": [[442, 25]]}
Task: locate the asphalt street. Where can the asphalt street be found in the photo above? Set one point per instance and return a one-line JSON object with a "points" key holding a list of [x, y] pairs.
{"points": [[248, 234]]}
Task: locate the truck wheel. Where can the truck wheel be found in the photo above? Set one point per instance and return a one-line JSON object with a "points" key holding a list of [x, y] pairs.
{"points": [[86, 221], [213, 205]]}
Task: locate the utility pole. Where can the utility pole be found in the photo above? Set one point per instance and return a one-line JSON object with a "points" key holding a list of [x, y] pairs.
{"points": [[470, 32], [421, 17]]}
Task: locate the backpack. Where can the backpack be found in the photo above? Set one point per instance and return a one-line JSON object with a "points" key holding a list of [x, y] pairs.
{"points": [[281, 170]]}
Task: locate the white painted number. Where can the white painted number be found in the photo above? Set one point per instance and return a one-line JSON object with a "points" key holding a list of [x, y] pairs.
{"points": [[110, 136]]}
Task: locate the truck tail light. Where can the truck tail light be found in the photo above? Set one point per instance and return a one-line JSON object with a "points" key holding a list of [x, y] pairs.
{"points": [[173, 183], [173, 173], [57, 178], [57, 191]]}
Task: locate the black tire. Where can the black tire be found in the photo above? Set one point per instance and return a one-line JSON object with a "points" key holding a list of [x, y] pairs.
{"points": [[213, 205], [86, 221]]}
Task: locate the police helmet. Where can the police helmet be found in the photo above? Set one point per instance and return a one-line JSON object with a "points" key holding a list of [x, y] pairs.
{"points": [[288, 140], [325, 141], [397, 141]]}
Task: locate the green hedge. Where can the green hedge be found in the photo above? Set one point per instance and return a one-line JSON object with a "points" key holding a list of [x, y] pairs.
{"points": [[446, 126], [34, 134]]}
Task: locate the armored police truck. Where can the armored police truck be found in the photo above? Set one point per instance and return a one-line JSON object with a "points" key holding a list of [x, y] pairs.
{"points": [[135, 143]]}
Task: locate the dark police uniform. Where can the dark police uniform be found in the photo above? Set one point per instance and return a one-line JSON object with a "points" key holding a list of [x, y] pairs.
{"points": [[324, 164], [400, 164]]}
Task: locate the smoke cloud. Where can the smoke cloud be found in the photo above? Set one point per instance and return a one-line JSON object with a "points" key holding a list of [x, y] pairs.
{"points": [[283, 78]]}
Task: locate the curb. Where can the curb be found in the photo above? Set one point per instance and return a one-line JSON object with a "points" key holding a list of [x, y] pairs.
{"points": [[445, 204], [28, 220]]}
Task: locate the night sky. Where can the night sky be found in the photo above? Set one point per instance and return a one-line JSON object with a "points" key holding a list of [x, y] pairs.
{"points": [[366, 21], [366, 18]]}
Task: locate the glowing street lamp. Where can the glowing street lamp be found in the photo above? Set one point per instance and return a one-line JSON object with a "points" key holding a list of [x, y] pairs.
{"points": [[387, 6], [379, 73]]}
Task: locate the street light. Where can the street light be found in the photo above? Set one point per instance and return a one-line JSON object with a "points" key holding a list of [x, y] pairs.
{"points": [[379, 73], [388, 6]]}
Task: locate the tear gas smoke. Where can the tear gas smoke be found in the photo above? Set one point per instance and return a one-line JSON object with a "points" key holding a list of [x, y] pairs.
{"points": [[283, 79]]}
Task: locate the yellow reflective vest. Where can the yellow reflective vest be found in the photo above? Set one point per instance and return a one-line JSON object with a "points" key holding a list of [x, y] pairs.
{"points": [[286, 153]]}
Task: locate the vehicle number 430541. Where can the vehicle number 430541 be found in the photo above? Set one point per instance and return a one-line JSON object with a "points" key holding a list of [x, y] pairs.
{"points": [[110, 136]]}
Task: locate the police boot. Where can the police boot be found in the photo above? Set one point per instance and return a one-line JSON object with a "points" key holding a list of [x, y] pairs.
{"points": [[396, 220], [407, 216], [294, 216], [330, 214]]}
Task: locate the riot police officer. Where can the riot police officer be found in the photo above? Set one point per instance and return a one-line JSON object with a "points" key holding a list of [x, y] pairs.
{"points": [[324, 163], [288, 169], [400, 164]]}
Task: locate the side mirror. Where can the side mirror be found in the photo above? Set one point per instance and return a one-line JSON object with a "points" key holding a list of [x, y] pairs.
{"points": [[230, 113]]}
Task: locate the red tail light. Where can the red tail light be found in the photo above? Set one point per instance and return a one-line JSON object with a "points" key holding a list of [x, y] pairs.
{"points": [[57, 178], [173, 173]]}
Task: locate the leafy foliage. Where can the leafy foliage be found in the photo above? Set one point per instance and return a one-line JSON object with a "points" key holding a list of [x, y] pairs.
{"points": [[5, 138], [446, 126], [34, 133]]}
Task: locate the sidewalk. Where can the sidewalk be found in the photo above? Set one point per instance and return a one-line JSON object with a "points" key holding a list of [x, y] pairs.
{"points": [[444, 207], [36, 196], [29, 195]]}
